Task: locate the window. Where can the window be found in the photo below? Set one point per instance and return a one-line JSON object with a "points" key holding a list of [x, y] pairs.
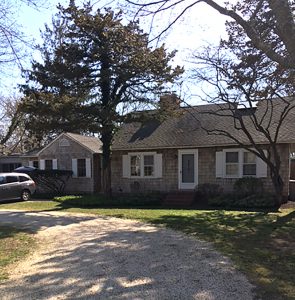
{"points": [[232, 164], [249, 164], [11, 179], [141, 162], [148, 166], [81, 165], [2, 179], [135, 163], [236, 163], [48, 164], [36, 164], [23, 179], [142, 165]]}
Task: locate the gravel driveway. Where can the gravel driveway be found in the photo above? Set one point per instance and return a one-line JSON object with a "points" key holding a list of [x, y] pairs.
{"points": [[89, 257]]}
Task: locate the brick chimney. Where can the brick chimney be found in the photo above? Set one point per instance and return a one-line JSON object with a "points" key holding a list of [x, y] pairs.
{"points": [[169, 102]]}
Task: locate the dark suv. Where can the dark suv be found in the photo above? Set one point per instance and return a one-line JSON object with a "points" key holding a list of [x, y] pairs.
{"points": [[16, 186]]}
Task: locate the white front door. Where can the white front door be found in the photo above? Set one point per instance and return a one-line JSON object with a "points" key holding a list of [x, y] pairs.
{"points": [[187, 169]]}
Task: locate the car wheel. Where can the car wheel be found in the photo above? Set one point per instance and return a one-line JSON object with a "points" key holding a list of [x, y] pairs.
{"points": [[26, 195]]}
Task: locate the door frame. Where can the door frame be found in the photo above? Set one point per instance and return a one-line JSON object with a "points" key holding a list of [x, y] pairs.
{"points": [[187, 186]]}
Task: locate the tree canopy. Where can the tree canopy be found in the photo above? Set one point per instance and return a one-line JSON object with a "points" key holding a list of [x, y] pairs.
{"points": [[269, 24], [93, 64]]}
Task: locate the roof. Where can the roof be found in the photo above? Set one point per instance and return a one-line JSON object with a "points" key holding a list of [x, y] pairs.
{"points": [[90, 142], [185, 128]]}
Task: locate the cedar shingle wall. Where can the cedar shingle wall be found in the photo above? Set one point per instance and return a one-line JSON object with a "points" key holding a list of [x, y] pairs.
{"points": [[169, 181], [64, 157]]}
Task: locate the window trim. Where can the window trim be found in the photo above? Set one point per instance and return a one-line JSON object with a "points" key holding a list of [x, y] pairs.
{"points": [[142, 155]]}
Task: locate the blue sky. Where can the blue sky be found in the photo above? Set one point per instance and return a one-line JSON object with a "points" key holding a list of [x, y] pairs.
{"points": [[198, 28]]}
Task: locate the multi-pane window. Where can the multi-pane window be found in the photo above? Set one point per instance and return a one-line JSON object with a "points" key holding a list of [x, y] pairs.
{"points": [[148, 165], [135, 164], [249, 164], [240, 163], [48, 164], [142, 165], [232, 163], [81, 166]]}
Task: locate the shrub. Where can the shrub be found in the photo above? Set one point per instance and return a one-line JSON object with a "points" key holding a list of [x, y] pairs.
{"points": [[207, 191], [234, 201], [53, 181], [248, 186]]}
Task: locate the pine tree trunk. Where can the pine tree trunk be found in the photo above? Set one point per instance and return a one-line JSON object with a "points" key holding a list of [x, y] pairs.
{"points": [[106, 139]]}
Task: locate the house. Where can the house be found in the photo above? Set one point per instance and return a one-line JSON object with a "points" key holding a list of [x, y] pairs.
{"points": [[77, 153], [177, 154], [81, 154]]}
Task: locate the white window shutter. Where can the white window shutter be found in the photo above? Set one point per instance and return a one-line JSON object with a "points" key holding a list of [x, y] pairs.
{"points": [[31, 163], [75, 167], [261, 167], [220, 164], [54, 164], [42, 164], [158, 165], [88, 167], [126, 166]]}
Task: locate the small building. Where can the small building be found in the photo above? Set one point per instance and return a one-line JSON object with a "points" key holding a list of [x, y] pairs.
{"points": [[75, 152]]}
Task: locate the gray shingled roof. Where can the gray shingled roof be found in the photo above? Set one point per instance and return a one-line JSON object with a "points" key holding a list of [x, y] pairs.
{"points": [[184, 129], [92, 143]]}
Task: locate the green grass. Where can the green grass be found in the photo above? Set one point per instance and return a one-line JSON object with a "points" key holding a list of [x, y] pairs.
{"points": [[261, 244], [15, 244]]}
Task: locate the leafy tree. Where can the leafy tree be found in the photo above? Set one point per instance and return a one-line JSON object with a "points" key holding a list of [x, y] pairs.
{"points": [[93, 65]]}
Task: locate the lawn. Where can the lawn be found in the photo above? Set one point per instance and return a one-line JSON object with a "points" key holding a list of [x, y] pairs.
{"points": [[261, 244], [15, 244]]}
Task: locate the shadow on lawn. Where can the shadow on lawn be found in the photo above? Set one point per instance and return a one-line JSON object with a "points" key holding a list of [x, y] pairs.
{"points": [[250, 240], [11, 231]]}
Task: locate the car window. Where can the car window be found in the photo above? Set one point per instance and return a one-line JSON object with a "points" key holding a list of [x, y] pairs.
{"points": [[2, 179], [10, 179], [23, 178]]}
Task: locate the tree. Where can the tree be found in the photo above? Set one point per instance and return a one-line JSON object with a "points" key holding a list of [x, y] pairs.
{"points": [[93, 65], [277, 16], [253, 95], [256, 64], [12, 39]]}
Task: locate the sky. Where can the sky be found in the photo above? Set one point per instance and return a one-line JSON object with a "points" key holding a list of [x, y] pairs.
{"points": [[200, 27]]}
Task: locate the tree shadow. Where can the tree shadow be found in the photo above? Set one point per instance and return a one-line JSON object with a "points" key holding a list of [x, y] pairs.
{"points": [[34, 222], [130, 260]]}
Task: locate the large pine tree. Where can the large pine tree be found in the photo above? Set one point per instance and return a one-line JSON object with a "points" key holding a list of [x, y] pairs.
{"points": [[92, 64]]}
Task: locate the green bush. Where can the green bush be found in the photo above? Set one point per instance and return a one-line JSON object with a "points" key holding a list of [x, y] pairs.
{"points": [[248, 186], [207, 191], [234, 201]]}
